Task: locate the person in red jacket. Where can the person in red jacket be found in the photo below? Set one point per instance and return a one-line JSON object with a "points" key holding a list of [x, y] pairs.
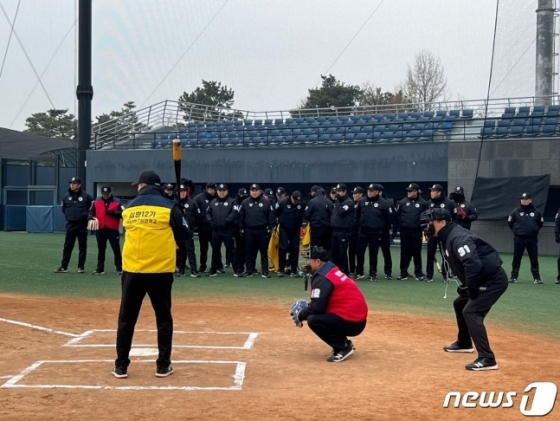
{"points": [[107, 212], [337, 308]]}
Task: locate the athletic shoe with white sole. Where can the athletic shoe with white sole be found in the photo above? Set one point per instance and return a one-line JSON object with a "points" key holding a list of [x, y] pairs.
{"points": [[455, 347], [339, 356], [164, 371], [482, 364], [81, 270], [61, 270], [359, 276], [119, 372], [98, 272], [538, 281]]}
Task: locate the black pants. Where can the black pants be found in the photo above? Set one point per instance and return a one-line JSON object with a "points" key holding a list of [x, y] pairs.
{"points": [[520, 244], [321, 237], [333, 330], [373, 241], [352, 250], [113, 236], [186, 250], [386, 250], [339, 248], [289, 243], [225, 237], [432, 255], [204, 240], [411, 248], [470, 314], [239, 255], [75, 229], [134, 288], [256, 241]]}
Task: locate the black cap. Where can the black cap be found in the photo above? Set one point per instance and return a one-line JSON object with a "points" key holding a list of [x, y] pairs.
{"points": [[148, 177], [435, 214], [317, 253], [242, 192], [211, 186], [373, 186], [105, 189], [341, 187], [255, 186], [526, 196], [268, 192], [315, 189], [333, 190], [182, 187], [436, 187], [280, 190], [459, 190], [381, 187], [168, 186], [413, 186], [76, 180], [222, 186], [358, 190], [298, 199]]}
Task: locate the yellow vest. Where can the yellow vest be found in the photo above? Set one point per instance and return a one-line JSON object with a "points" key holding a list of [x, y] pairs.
{"points": [[149, 245]]}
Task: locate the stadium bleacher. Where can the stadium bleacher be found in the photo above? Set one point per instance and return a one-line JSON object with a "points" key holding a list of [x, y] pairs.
{"points": [[538, 121], [322, 130]]}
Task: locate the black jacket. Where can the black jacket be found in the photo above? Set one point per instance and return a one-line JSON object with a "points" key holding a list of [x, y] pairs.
{"points": [[190, 210], [444, 203], [470, 210], [289, 216], [525, 221], [256, 213], [408, 213], [473, 260], [318, 211], [222, 213], [343, 213], [202, 201], [557, 223], [76, 205], [374, 215]]}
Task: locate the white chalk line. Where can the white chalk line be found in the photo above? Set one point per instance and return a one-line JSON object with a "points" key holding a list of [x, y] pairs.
{"points": [[41, 328]]}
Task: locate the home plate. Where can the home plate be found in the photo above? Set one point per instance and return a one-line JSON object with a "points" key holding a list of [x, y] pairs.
{"points": [[143, 352]]}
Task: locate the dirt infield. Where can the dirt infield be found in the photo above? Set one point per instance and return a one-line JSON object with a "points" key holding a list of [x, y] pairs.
{"points": [[398, 371]]}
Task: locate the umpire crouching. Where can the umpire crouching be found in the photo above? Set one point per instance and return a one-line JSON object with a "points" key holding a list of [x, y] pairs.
{"points": [[154, 226], [483, 281], [75, 207]]}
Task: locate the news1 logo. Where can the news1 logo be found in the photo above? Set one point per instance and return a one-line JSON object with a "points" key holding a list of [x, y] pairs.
{"points": [[541, 404]]}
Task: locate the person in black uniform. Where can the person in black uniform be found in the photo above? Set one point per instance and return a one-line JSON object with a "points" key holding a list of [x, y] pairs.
{"points": [[256, 220], [385, 243], [525, 222], [223, 216], [186, 249], [410, 226], [202, 201], [280, 194], [239, 255], [483, 281], [75, 207], [169, 191], [357, 194], [557, 238], [107, 211], [154, 227], [270, 196], [466, 212], [437, 200], [373, 215], [318, 213], [289, 212], [342, 218], [332, 195]]}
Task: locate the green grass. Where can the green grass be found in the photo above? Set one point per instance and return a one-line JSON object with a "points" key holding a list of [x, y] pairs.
{"points": [[27, 263]]}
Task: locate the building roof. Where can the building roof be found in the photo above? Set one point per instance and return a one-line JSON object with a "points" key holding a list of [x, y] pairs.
{"points": [[21, 145]]}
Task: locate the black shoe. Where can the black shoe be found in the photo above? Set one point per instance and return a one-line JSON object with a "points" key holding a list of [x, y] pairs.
{"points": [[98, 272], [419, 278], [81, 270], [256, 272], [203, 269], [403, 277], [557, 282], [119, 272], [246, 275], [238, 275], [212, 274], [455, 347], [512, 280], [227, 266], [339, 356], [280, 273], [60, 270], [538, 281], [119, 372], [221, 271], [294, 275], [266, 275], [373, 279], [359, 276], [388, 276], [482, 364], [195, 274], [164, 371], [181, 273], [427, 279]]}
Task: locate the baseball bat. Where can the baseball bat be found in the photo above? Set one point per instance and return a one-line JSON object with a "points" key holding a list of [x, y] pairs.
{"points": [[438, 266], [177, 164]]}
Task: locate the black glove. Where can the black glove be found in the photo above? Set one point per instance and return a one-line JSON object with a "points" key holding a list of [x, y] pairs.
{"points": [[473, 293], [557, 238], [268, 231]]}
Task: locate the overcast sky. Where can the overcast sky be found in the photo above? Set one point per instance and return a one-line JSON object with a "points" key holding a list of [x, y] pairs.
{"points": [[269, 51]]}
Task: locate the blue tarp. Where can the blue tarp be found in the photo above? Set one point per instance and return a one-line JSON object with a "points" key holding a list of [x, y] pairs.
{"points": [[39, 219], [59, 220], [14, 218]]}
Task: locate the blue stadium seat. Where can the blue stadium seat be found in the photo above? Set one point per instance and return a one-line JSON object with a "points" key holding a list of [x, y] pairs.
{"points": [[354, 129], [501, 131], [533, 130], [360, 137], [286, 132], [276, 140], [455, 113], [397, 120], [549, 130], [516, 131], [403, 115], [406, 127], [399, 136], [390, 116], [366, 117], [393, 127], [278, 121], [336, 138], [387, 136], [299, 140], [424, 119], [200, 126], [312, 138], [428, 114], [553, 110], [280, 126], [308, 132], [297, 132], [509, 112], [310, 120], [300, 120], [427, 135], [523, 111], [519, 121], [375, 137], [538, 109], [550, 121], [315, 124], [258, 124], [441, 113], [413, 135], [535, 121], [354, 118], [504, 122], [324, 138], [321, 119], [467, 113], [268, 123], [289, 121], [339, 123], [182, 129], [415, 115], [333, 118]]}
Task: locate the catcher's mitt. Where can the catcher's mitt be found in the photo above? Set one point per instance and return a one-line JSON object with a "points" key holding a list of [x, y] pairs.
{"points": [[296, 307], [93, 224]]}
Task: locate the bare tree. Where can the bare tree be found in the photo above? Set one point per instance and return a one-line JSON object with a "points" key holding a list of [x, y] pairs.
{"points": [[425, 82], [372, 96]]}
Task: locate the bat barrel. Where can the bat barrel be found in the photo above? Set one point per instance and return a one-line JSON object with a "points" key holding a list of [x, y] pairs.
{"points": [[176, 150]]}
